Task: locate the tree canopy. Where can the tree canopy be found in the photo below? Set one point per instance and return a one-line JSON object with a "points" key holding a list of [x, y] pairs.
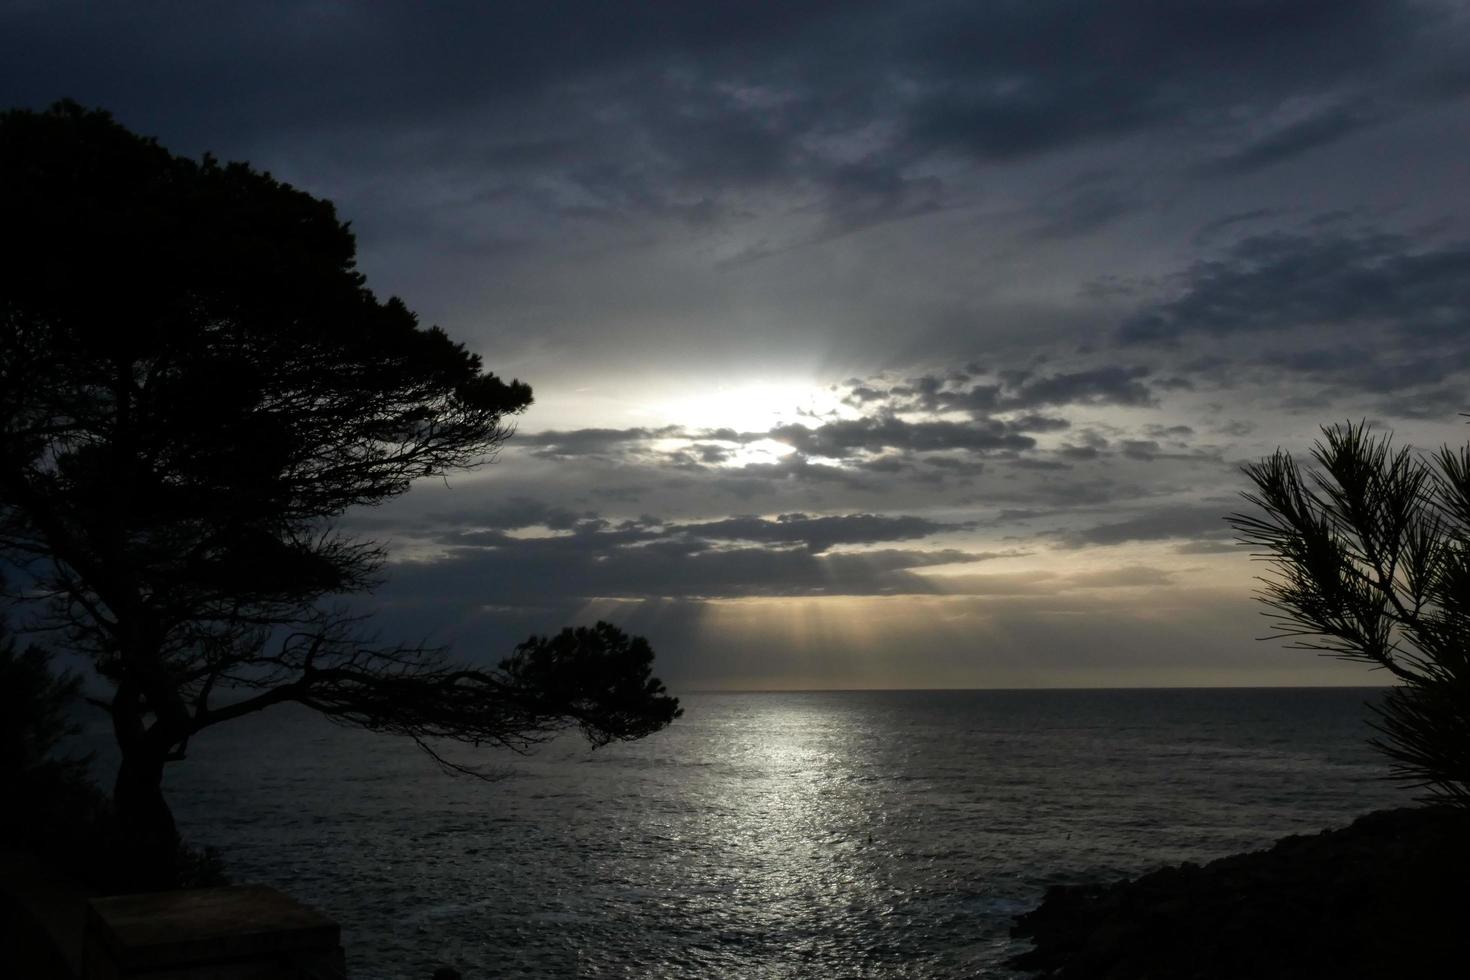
{"points": [[195, 382], [1369, 554]]}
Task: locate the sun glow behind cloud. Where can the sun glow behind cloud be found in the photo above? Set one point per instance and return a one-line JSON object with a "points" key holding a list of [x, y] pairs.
{"points": [[747, 406], [760, 451]]}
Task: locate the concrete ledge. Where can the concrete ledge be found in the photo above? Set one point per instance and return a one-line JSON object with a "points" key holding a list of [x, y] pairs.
{"points": [[235, 933]]}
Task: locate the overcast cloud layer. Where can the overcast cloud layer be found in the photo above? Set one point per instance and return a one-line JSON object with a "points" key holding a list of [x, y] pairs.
{"points": [[873, 344]]}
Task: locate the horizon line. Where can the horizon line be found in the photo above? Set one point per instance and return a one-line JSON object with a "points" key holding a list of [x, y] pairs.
{"points": [[942, 690]]}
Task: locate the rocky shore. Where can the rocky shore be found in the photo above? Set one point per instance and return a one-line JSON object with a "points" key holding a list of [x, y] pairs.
{"points": [[1384, 898]]}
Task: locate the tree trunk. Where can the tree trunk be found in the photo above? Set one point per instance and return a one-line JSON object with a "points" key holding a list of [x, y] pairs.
{"points": [[149, 839]]}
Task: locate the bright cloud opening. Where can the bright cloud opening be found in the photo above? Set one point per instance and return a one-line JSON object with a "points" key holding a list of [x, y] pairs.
{"points": [[755, 406]]}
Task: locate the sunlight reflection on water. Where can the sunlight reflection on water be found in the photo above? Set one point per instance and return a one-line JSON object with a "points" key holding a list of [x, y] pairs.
{"points": [[779, 835]]}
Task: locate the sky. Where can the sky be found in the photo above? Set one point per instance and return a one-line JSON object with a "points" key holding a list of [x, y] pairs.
{"points": [[873, 344]]}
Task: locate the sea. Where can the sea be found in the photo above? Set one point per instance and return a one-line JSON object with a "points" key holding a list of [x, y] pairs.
{"points": [[768, 835]]}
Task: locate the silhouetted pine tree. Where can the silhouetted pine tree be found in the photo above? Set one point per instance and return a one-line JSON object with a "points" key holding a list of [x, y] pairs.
{"points": [[194, 383], [1370, 560]]}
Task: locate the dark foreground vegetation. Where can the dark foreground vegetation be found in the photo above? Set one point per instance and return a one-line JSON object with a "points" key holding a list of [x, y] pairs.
{"points": [[1383, 898]]}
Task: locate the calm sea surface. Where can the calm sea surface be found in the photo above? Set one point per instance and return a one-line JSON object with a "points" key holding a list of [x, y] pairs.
{"points": [[889, 834]]}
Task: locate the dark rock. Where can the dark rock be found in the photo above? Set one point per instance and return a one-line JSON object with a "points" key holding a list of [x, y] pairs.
{"points": [[1382, 898]]}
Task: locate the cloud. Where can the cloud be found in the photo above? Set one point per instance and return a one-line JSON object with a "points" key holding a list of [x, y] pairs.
{"points": [[1193, 521], [1038, 423], [1083, 213], [1111, 384], [591, 442], [1143, 449], [884, 438], [1201, 70], [514, 514], [478, 557], [1290, 140], [843, 438], [1374, 318], [1011, 391], [581, 567], [1281, 282], [1045, 583], [1124, 577], [594, 113], [818, 534], [752, 478]]}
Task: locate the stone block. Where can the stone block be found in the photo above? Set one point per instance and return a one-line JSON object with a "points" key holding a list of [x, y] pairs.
{"points": [[249, 932]]}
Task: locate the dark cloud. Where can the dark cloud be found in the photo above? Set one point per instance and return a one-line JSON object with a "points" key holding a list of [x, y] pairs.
{"points": [[792, 554], [1378, 318], [1144, 449], [1111, 384], [592, 110], [1281, 282], [1194, 521], [1436, 403], [557, 569], [1082, 210], [1108, 71], [1215, 227], [815, 533], [862, 442], [1292, 139], [514, 514], [1235, 428], [963, 468], [1013, 391], [841, 439], [591, 442], [818, 534], [764, 478]]}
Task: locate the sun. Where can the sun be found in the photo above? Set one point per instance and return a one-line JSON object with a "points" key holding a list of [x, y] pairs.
{"points": [[746, 406]]}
